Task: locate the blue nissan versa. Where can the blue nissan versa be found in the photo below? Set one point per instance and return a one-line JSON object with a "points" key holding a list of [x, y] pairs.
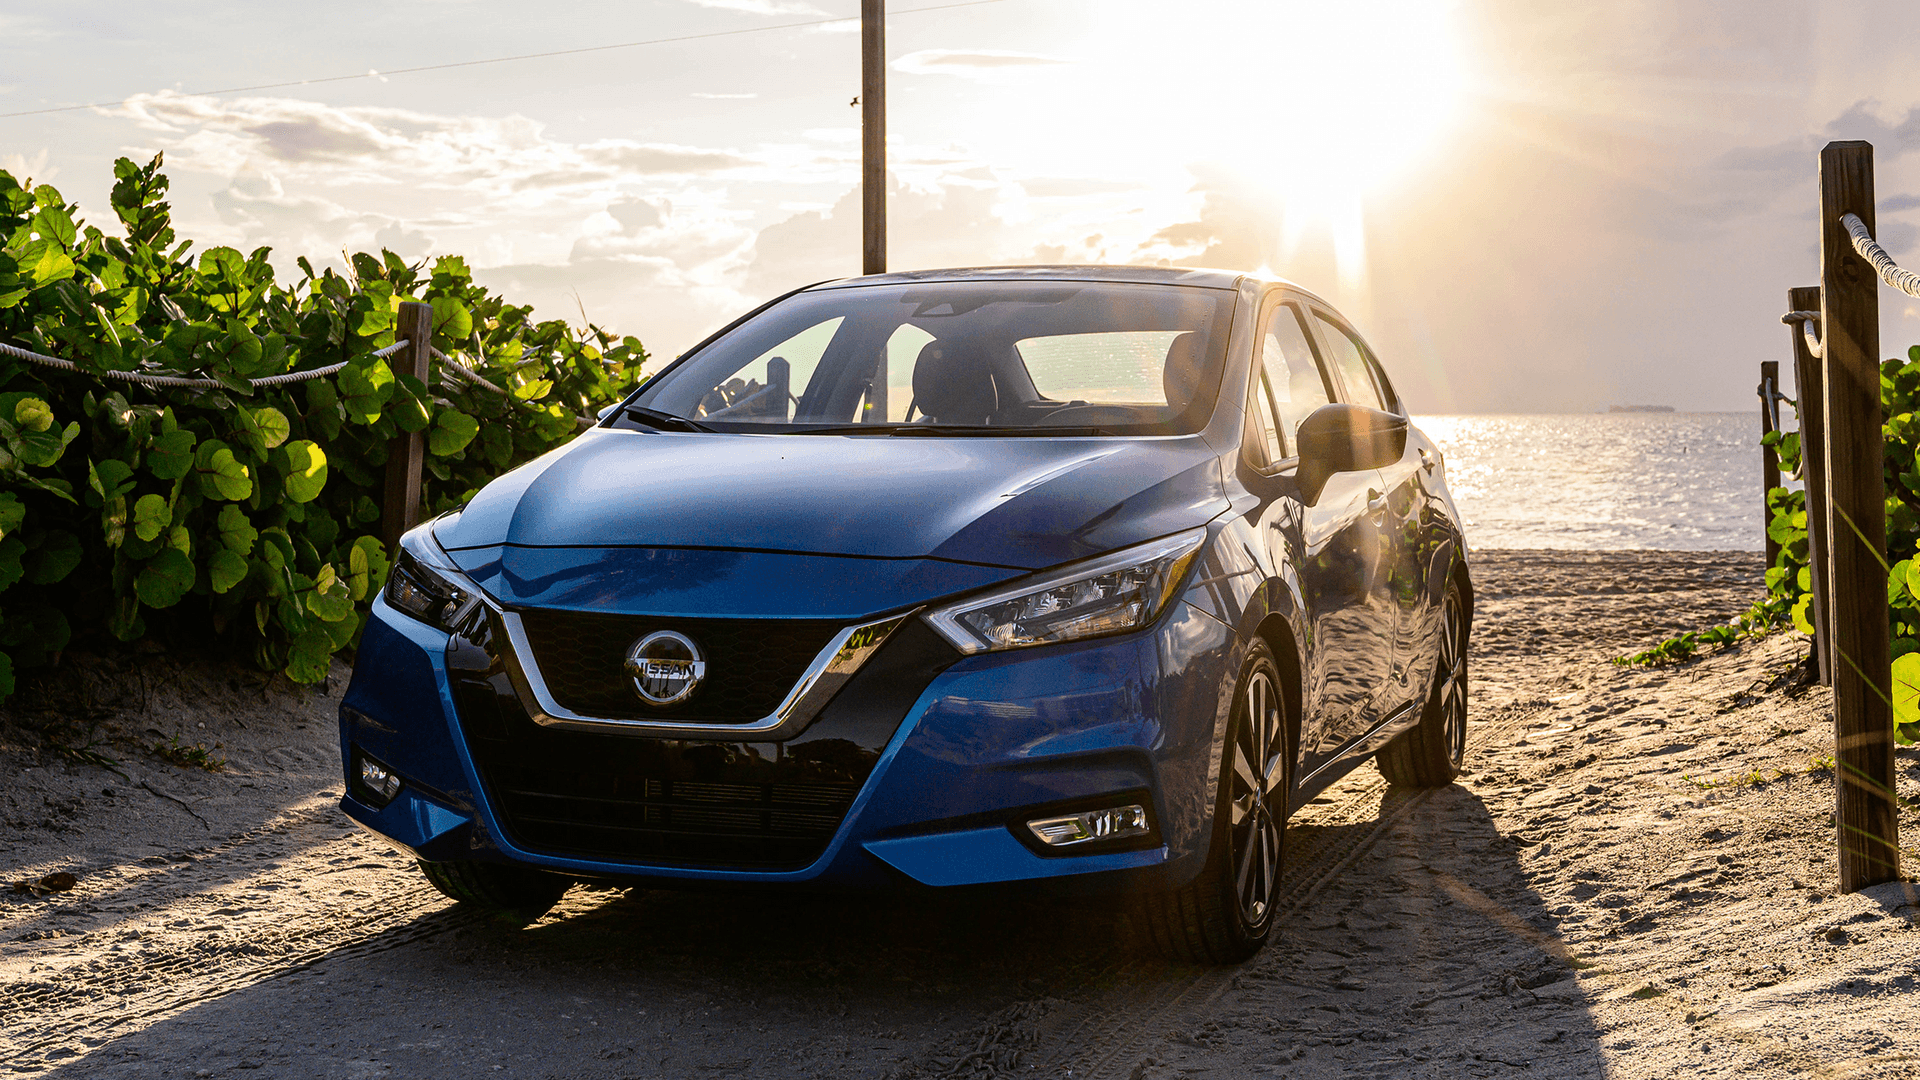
{"points": [[1083, 575]]}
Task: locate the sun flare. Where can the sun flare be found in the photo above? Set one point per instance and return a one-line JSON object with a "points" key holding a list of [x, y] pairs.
{"points": [[1365, 89]]}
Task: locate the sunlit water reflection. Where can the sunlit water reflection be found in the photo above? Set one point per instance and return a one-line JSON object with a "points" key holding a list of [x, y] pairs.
{"points": [[1667, 481]]}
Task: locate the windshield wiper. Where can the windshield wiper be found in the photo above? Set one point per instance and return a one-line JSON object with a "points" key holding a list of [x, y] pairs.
{"points": [[980, 429], [939, 430], [662, 420]]}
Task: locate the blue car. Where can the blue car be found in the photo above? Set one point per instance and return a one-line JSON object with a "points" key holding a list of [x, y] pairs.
{"points": [[1078, 577]]}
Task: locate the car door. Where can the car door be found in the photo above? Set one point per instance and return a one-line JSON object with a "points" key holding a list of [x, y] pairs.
{"points": [[1334, 544], [1399, 603]]}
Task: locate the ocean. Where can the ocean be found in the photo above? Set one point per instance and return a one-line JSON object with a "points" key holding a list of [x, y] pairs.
{"points": [[1594, 482]]}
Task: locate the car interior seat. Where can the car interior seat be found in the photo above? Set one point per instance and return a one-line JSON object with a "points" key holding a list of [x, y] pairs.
{"points": [[1180, 379], [953, 386]]}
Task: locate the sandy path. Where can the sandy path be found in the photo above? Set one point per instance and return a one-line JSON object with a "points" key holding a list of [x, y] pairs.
{"points": [[1593, 900]]}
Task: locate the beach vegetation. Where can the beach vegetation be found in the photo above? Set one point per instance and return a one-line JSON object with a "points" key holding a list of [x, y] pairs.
{"points": [[1789, 597], [240, 513]]}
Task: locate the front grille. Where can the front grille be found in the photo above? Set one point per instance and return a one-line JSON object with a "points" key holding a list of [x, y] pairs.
{"points": [[594, 811], [751, 663], [688, 802]]}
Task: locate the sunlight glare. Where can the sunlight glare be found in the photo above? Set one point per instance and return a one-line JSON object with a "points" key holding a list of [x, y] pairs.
{"points": [[1367, 89]]}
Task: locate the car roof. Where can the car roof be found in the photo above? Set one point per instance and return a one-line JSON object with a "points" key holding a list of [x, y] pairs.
{"points": [[1168, 275], [1198, 276]]}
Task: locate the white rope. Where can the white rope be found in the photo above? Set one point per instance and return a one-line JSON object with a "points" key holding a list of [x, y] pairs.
{"points": [[1806, 319], [465, 372], [198, 384], [1890, 272]]}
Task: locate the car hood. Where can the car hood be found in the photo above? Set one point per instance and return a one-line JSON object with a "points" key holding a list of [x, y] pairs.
{"points": [[1020, 503]]}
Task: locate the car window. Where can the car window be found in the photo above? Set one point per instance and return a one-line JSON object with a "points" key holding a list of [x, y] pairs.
{"points": [[1292, 374], [1115, 368], [768, 385], [1351, 363], [1265, 430], [1001, 356], [1387, 392]]}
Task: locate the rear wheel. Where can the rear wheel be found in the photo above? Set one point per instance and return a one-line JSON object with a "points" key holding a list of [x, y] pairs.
{"points": [[1429, 753], [513, 894], [1225, 914]]}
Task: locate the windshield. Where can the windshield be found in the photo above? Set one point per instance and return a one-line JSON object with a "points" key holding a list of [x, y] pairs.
{"points": [[977, 356]]}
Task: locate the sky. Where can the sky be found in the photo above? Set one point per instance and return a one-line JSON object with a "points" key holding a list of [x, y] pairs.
{"points": [[1524, 207]]}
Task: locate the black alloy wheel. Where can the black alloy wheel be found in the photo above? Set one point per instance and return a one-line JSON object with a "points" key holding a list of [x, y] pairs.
{"points": [[1430, 753], [1225, 914], [515, 895]]}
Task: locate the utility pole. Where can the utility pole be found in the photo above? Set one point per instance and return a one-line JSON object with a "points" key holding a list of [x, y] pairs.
{"points": [[873, 136]]}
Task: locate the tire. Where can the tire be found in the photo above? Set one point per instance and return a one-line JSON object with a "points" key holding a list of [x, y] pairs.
{"points": [[1429, 753], [513, 894], [1224, 915]]}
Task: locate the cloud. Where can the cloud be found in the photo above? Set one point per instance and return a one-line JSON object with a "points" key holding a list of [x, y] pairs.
{"points": [[26, 168], [762, 7], [500, 155], [972, 63], [1072, 188], [1891, 138]]}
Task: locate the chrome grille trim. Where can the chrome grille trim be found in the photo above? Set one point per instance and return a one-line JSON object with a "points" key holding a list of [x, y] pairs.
{"points": [[844, 655]]}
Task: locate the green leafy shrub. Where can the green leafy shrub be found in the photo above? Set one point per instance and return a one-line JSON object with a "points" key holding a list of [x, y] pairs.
{"points": [[1789, 579], [246, 511]]}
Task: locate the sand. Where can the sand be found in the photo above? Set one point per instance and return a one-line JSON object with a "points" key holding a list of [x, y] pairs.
{"points": [[1636, 878]]}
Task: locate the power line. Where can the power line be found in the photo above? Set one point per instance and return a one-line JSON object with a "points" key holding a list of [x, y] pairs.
{"points": [[507, 59]]}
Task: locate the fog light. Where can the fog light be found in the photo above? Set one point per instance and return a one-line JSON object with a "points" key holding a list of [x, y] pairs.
{"points": [[1112, 824], [377, 782]]}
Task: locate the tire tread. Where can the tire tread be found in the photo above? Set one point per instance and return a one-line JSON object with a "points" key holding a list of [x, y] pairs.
{"points": [[518, 893]]}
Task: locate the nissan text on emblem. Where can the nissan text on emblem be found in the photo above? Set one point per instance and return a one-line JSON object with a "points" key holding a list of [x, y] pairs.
{"points": [[666, 667]]}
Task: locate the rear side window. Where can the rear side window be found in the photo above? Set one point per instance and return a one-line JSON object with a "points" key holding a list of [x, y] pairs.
{"points": [[1117, 367], [1292, 375], [1265, 433], [1387, 393], [1345, 355]]}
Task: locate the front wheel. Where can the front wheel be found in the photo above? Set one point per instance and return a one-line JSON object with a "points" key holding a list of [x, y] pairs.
{"points": [[1429, 754], [1225, 914], [514, 894]]}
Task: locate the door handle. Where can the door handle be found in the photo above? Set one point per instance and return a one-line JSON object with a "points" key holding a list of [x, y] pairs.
{"points": [[1427, 460]]}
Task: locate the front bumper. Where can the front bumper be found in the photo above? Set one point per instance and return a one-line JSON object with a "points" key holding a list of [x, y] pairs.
{"points": [[935, 759]]}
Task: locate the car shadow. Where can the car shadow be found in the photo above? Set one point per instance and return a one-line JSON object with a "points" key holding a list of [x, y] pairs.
{"points": [[619, 982], [1426, 953], [1428, 949]]}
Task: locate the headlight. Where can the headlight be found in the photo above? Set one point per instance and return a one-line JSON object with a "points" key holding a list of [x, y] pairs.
{"points": [[1109, 595], [425, 584]]}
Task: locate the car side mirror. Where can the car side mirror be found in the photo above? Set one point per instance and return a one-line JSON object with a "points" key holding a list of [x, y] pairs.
{"points": [[609, 410], [1345, 438]]}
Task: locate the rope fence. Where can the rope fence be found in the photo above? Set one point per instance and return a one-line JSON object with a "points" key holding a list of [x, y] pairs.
{"points": [[455, 367], [1890, 272], [144, 379], [464, 372], [1806, 319]]}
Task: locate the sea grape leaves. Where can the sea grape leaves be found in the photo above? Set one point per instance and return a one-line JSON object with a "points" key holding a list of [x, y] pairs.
{"points": [[56, 556], [452, 431], [306, 470], [150, 516], [171, 454], [165, 578]]}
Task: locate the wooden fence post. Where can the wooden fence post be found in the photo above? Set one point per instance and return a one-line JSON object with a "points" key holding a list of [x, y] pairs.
{"points": [[400, 507], [1769, 456], [1862, 677], [873, 137], [1809, 385]]}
